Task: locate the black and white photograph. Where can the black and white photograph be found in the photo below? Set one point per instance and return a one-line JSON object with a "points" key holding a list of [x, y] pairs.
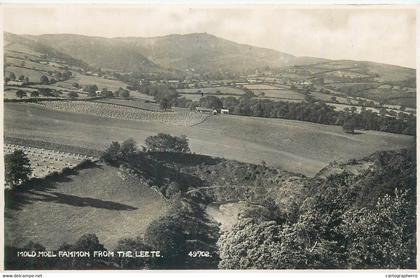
{"points": [[209, 137]]}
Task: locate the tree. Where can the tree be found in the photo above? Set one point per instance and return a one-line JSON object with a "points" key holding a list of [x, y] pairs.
{"points": [[91, 94], [167, 143], [117, 153], [12, 76], [112, 154], [384, 236], [166, 234], [35, 94], [44, 80], [164, 103], [59, 75], [348, 126], [106, 93], [132, 245], [90, 243], [250, 245], [66, 75], [21, 94], [128, 148], [212, 102], [91, 89], [75, 85], [17, 168], [125, 94], [73, 95], [21, 77], [109, 94]]}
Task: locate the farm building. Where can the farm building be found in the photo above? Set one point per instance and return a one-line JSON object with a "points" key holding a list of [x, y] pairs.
{"points": [[224, 111], [15, 83], [206, 110]]}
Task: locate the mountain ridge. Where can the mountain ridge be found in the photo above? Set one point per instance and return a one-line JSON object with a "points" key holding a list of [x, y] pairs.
{"points": [[196, 52]]}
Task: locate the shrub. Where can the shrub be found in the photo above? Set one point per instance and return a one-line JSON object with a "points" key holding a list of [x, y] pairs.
{"points": [[167, 143], [17, 168], [116, 152]]}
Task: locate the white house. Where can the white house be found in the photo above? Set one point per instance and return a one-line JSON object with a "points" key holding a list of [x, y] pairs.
{"points": [[224, 111], [14, 83]]}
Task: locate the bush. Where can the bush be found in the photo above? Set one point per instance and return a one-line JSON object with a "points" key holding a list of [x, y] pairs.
{"points": [[73, 95], [167, 143], [17, 168], [117, 153]]}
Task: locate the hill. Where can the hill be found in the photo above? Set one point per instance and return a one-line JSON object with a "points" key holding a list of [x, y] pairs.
{"points": [[20, 47], [205, 52], [197, 52], [80, 202], [100, 52]]}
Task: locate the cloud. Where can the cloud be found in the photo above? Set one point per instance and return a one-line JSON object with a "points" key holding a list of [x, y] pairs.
{"points": [[381, 34]]}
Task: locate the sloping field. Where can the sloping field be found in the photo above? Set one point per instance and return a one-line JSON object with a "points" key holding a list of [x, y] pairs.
{"points": [[33, 75], [281, 94], [44, 162], [295, 146], [109, 110], [96, 200], [83, 80], [213, 91]]}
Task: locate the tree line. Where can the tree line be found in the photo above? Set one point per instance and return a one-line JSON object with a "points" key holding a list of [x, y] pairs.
{"points": [[318, 112]]}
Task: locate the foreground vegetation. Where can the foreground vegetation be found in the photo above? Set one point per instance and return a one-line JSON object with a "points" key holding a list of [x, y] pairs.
{"points": [[358, 214]]}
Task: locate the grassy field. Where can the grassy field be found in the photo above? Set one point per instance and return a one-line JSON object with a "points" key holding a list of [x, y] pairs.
{"points": [[138, 103], [219, 92], [33, 75], [29, 64], [327, 97], [260, 87], [213, 90], [280, 94], [117, 111], [292, 145], [62, 211], [83, 80]]}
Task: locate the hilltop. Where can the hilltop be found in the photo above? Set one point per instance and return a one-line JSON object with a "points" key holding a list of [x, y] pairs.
{"points": [[197, 52]]}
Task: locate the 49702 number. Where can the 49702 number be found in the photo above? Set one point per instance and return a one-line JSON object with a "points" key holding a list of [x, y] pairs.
{"points": [[199, 254]]}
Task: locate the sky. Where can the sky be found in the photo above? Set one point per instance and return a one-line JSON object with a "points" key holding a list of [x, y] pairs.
{"points": [[371, 33]]}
